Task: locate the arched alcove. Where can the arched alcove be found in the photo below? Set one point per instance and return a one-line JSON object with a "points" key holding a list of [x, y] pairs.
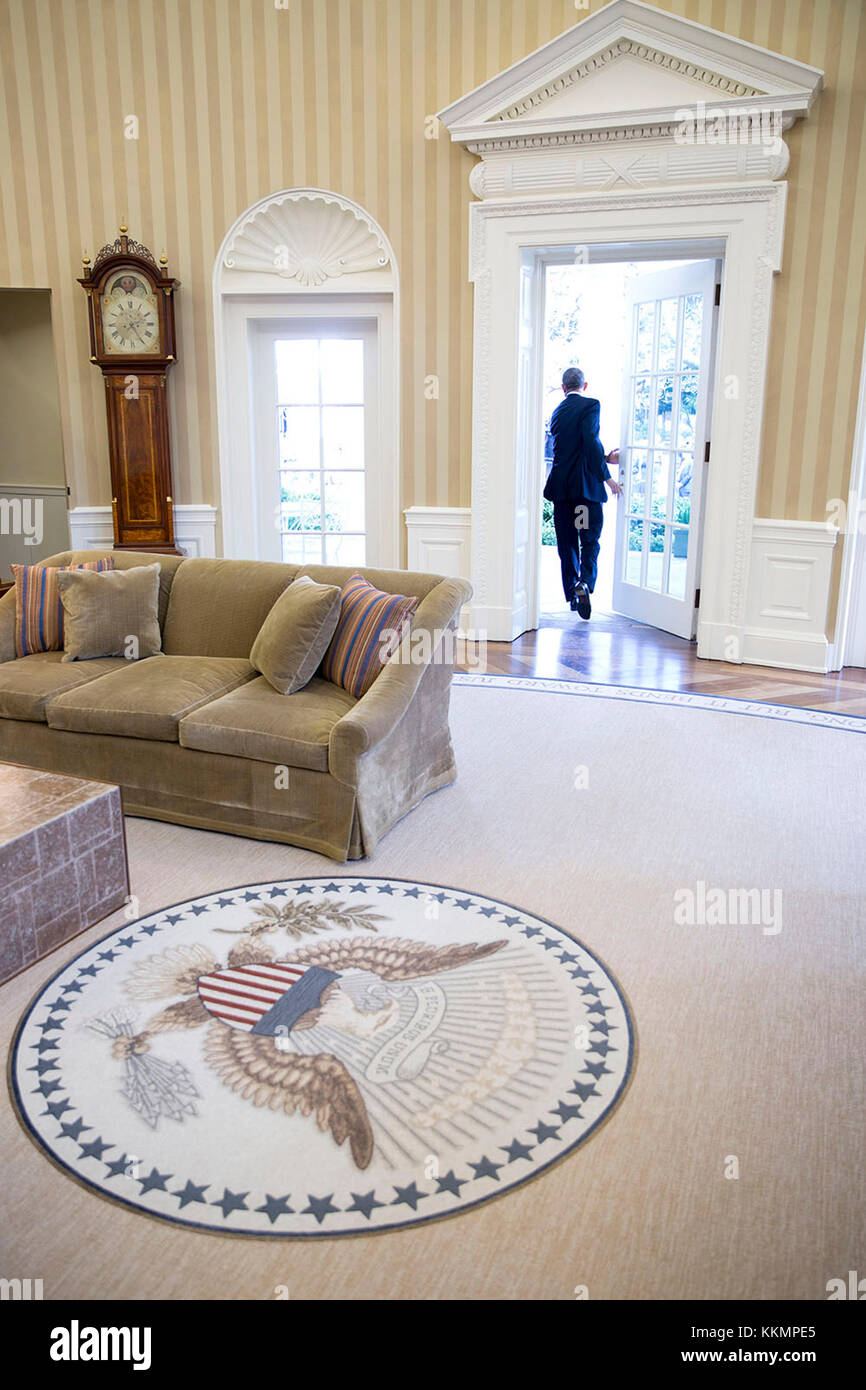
{"points": [[304, 256]]}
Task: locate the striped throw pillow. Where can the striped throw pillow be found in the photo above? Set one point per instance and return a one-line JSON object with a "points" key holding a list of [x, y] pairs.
{"points": [[371, 626], [38, 609]]}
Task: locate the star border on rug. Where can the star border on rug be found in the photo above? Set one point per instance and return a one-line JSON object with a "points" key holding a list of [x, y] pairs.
{"points": [[483, 1171]]}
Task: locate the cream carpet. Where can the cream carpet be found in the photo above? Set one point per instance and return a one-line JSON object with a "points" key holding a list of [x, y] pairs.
{"points": [[598, 813]]}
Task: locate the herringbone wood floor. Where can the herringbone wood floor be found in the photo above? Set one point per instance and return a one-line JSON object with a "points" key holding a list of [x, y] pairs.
{"points": [[612, 650]]}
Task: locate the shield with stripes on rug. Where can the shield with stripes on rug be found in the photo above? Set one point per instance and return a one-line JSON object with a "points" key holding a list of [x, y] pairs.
{"points": [[322, 1057]]}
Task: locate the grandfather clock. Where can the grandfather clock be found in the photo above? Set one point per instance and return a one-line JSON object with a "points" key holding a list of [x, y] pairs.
{"points": [[130, 302]]}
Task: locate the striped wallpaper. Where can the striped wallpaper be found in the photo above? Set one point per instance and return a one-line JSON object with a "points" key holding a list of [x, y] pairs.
{"points": [[239, 98]]}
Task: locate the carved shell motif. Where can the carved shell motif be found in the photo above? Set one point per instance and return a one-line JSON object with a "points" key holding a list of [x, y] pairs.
{"points": [[307, 239]]}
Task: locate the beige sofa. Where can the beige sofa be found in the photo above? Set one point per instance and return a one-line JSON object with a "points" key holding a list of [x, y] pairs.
{"points": [[198, 737]]}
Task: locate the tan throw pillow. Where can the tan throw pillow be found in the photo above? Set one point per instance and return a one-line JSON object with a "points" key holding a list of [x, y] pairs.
{"points": [[296, 634], [118, 618]]}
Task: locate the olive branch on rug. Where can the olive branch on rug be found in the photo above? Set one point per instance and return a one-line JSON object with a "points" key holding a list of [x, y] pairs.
{"points": [[298, 919]]}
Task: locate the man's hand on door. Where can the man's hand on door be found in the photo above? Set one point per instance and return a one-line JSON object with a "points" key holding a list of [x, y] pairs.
{"points": [[614, 487]]}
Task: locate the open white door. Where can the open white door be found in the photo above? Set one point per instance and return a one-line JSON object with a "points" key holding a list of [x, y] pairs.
{"points": [[666, 414]]}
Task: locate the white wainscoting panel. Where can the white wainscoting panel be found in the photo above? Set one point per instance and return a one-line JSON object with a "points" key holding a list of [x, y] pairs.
{"points": [[439, 540], [90, 528], [788, 594], [42, 511]]}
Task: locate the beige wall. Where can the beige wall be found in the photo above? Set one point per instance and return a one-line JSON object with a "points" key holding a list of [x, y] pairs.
{"points": [[237, 99], [31, 446]]}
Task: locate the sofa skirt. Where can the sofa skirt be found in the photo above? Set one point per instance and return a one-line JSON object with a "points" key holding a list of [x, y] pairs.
{"points": [[211, 791], [241, 796]]}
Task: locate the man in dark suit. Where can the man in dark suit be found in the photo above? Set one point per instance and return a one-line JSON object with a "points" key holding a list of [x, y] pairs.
{"points": [[576, 487]]}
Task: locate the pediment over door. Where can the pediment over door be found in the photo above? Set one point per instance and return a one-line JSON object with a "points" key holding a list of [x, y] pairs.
{"points": [[682, 102]]}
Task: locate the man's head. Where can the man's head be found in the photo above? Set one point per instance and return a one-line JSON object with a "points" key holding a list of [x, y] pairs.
{"points": [[573, 379]]}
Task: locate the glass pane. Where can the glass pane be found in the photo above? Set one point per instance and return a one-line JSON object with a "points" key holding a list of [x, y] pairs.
{"points": [[637, 490], [692, 315], [342, 362], [301, 550], [668, 335], [688, 412], [656, 557], [300, 502], [646, 314], [660, 484], [298, 431], [297, 371], [679, 553], [664, 410], [345, 550], [633, 553], [344, 501], [641, 412], [343, 436], [683, 491]]}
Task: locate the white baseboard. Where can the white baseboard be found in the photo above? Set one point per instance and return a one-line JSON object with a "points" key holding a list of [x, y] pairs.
{"points": [[91, 528]]}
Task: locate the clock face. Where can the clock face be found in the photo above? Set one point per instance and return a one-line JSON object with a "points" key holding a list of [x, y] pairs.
{"points": [[130, 316]]}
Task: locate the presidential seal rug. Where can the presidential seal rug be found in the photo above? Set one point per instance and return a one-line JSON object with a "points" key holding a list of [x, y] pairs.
{"points": [[321, 1056]]}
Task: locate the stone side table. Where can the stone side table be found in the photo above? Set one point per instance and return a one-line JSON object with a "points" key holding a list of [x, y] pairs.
{"points": [[62, 861]]}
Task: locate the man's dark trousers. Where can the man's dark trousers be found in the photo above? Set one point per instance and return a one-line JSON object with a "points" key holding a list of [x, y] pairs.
{"points": [[578, 526]]}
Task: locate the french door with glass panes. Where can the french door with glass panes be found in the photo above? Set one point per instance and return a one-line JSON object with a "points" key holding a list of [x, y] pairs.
{"points": [[315, 393], [666, 400]]}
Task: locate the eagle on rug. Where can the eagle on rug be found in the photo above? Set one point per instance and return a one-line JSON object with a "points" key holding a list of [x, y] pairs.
{"points": [[274, 1025]]}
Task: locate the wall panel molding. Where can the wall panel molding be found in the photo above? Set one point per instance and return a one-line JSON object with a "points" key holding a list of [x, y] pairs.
{"points": [[91, 528], [438, 540], [789, 592]]}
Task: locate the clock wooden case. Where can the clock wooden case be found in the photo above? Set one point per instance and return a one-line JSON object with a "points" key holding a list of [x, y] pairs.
{"points": [[130, 302]]}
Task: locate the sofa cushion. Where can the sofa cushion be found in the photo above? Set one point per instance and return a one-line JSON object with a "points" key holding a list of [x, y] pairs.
{"points": [[27, 684], [257, 722], [111, 614], [371, 626], [217, 606], [38, 610], [146, 699], [296, 634]]}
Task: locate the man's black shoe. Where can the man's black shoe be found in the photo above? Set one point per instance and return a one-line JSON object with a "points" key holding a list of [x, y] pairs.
{"points": [[581, 601], [573, 603]]}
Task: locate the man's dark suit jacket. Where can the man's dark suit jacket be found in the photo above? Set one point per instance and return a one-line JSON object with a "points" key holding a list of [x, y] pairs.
{"points": [[579, 469]]}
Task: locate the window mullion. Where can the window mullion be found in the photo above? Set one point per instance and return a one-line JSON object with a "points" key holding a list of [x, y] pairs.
{"points": [[321, 456]]}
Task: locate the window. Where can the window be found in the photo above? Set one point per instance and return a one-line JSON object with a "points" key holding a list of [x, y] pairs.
{"points": [[321, 432]]}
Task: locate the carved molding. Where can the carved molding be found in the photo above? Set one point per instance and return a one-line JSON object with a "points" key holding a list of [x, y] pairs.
{"points": [[480, 214], [481, 433], [646, 53], [307, 235], [705, 77], [528, 173], [759, 337]]}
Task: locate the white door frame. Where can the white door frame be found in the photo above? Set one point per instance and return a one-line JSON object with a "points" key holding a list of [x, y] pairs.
{"points": [[742, 223], [849, 646], [261, 333]]}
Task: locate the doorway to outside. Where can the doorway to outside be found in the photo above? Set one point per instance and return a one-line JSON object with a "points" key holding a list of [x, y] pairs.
{"points": [[643, 333]]}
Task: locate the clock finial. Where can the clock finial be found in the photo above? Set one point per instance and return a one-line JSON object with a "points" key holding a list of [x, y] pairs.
{"points": [[163, 260]]}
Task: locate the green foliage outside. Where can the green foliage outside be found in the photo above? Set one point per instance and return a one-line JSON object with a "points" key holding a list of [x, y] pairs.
{"points": [[308, 514]]}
